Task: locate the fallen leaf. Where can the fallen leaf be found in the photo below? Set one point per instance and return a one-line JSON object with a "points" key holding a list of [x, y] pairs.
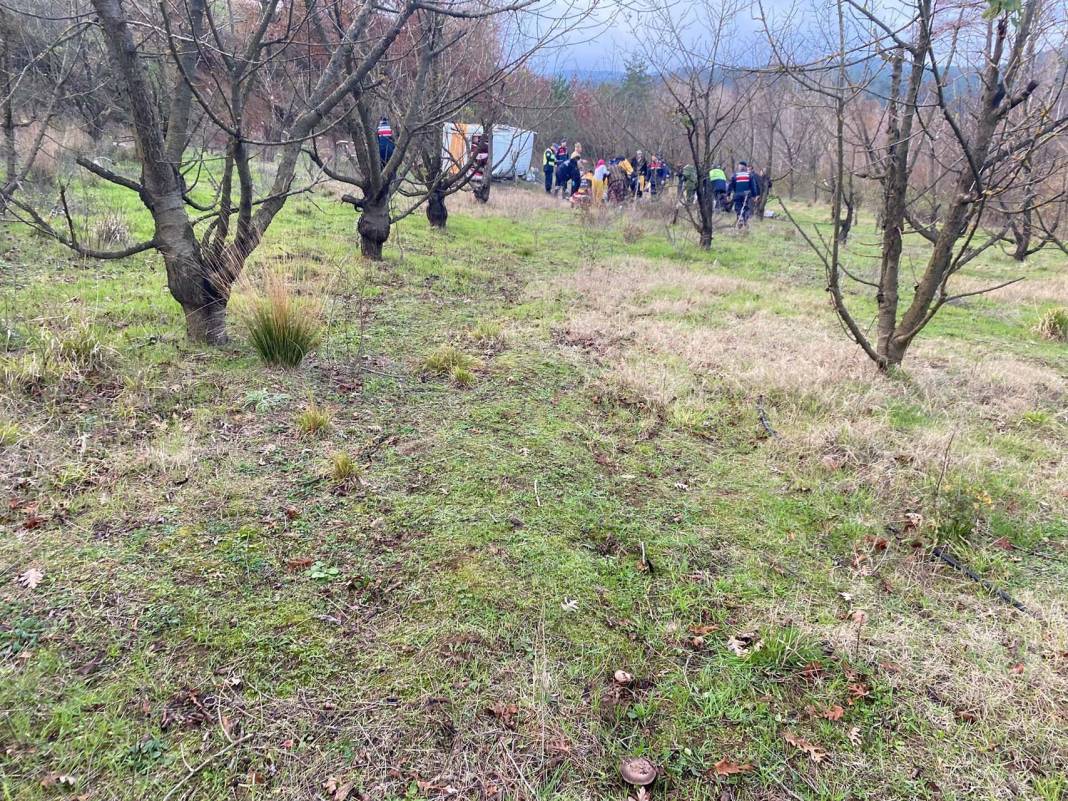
{"points": [[834, 713], [858, 690], [1017, 669], [505, 713], [58, 780], [298, 563], [31, 578], [1003, 543], [966, 716], [854, 735], [812, 670], [859, 616], [741, 644], [727, 768], [703, 630], [336, 789], [913, 520], [815, 753]]}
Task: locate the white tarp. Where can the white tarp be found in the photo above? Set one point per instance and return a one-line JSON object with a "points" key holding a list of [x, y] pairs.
{"points": [[513, 148]]}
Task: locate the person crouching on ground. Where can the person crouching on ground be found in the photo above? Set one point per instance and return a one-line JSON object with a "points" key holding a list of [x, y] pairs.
{"points": [[582, 194]]}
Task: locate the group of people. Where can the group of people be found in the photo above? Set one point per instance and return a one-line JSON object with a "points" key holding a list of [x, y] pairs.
{"points": [[567, 174]]}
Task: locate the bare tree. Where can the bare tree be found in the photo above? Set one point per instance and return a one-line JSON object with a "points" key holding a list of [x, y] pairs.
{"points": [[708, 96], [960, 81], [199, 120]]}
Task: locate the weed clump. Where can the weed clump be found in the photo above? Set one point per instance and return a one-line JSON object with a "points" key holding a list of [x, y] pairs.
{"points": [[462, 376], [282, 326], [110, 231], [10, 433], [448, 359], [68, 357], [343, 468], [1053, 325], [313, 420], [487, 333]]}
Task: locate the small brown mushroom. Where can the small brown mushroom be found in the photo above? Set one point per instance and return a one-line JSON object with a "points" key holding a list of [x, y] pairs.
{"points": [[638, 771], [622, 678]]}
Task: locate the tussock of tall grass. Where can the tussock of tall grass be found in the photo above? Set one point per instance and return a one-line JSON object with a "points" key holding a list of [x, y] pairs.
{"points": [[66, 357], [283, 326], [1054, 325]]}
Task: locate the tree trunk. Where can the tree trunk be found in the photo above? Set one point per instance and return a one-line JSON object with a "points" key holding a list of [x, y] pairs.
{"points": [[374, 229], [206, 324], [436, 212], [705, 208], [9, 146]]}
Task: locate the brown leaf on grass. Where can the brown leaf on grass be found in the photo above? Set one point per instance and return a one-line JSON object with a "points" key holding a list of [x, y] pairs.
{"points": [[741, 644], [33, 520], [965, 716], [813, 670], [854, 735], [913, 521], [298, 563], [1003, 543], [859, 616], [858, 690], [834, 713], [336, 789], [815, 753], [703, 630], [505, 713], [727, 768], [30, 578], [1017, 669]]}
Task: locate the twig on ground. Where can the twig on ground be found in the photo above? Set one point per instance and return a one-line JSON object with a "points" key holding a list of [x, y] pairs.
{"points": [[943, 553], [194, 771]]}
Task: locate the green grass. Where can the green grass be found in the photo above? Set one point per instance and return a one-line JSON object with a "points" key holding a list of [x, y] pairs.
{"points": [[212, 572]]}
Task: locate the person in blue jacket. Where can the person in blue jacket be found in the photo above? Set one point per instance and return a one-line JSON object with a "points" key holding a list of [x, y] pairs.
{"points": [[744, 189], [386, 145]]}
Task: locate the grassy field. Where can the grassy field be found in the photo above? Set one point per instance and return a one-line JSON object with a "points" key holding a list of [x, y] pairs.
{"points": [[202, 598]]}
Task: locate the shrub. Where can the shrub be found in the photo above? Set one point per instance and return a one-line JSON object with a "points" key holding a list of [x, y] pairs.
{"points": [[343, 468], [1054, 325], [283, 327], [314, 419], [445, 359]]}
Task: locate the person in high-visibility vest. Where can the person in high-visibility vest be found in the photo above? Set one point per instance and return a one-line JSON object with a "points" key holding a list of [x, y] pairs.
{"points": [[548, 166], [718, 179]]}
